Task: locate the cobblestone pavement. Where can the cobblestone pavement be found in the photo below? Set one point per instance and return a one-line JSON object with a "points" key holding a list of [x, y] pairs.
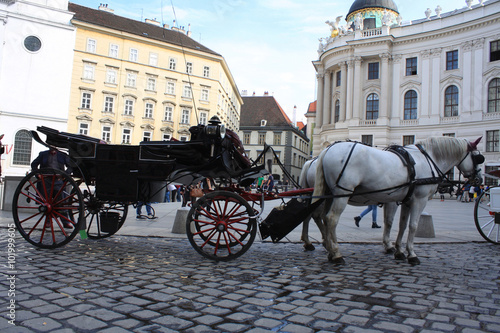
{"points": [[137, 284]]}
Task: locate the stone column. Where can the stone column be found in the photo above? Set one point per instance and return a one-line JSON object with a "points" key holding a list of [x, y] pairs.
{"points": [[423, 110], [327, 98], [384, 86], [350, 87], [435, 92], [343, 91], [395, 111], [319, 101], [357, 98], [477, 85]]}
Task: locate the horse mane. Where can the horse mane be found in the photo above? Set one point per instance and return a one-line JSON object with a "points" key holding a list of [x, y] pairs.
{"points": [[444, 146]]}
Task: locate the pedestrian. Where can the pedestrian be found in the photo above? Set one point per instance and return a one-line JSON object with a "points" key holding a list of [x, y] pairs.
{"points": [[2, 150], [260, 180], [270, 183], [373, 209], [472, 191], [148, 210], [171, 192]]}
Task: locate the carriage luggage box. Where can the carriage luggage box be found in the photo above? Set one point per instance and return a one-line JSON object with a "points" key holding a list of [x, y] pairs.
{"points": [[109, 221], [117, 168]]}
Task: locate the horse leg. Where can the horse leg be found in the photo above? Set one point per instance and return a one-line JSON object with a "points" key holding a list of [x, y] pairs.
{"points": [[389, 212], [331, 220], [403, 221], [416, 211], [308, 246]]}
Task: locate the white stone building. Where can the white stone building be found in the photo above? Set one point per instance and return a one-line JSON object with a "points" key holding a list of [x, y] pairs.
{"points": [[36, 57], [385, 81]]}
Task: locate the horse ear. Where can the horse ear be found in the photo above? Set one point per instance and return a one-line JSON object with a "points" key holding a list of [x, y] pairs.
{"points": [[473, 145]]}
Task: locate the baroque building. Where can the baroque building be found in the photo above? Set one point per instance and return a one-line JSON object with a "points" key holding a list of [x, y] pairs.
{"points": [[385, 81], [263, 121], [138, 81]]}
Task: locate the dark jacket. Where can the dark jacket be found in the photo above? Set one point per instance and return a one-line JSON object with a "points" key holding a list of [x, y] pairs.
{"points": [[42, 161]]}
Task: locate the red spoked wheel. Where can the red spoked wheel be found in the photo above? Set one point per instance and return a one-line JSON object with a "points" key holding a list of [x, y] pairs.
{"points": [[48, 208], [221, 226]]}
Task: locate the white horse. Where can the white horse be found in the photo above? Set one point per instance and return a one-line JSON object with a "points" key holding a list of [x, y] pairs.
{"points": [[306, 180], [360, 175]]}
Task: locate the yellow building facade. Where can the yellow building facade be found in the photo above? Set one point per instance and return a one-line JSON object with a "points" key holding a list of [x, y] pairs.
{"points": [[136, 81]]}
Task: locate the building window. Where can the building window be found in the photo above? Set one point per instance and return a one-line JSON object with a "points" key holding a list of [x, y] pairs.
{"points": [[410, 105], [495, 50], [109, 102], [111, 75], [83, 129], [373, 73], [32, 43], [148, 111], [189, 67], [488, 181], [276, 159], [451, 101], [492, 139], [22, 148], [86, 100], [126, 134], [367, 139], [262, 139], [169, 112], [151, 84], [186, 92], [206, 71], [91, 45], [337, 111], [451, 135], [183, 138], [277, 138], [204, 94], [372, 106], [411, 66], [339, 78], [167, 137], [129, 107], [133, 55], [131, 79], [172, 64], [146, 136], [494, 96], [203, 118], [408, 140], [451, 60], [171, 88], [153, 59], [88, 71], [106, 133], [113, 50], [246, 138], [185, 116]]}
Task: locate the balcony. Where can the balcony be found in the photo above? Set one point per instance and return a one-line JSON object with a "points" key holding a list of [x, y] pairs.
{"points": [[491, 115], [408, 122], [449, 120], [370, 122]]}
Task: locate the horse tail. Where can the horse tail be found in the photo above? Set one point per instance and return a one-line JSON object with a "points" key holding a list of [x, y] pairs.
{"points": [[319, 180]]}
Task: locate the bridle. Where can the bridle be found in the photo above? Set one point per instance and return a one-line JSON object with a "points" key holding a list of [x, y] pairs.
{"points": [[477, 159]]}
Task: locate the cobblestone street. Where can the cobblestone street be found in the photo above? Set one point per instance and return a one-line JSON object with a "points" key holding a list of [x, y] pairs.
{"points": [[137, 284]]}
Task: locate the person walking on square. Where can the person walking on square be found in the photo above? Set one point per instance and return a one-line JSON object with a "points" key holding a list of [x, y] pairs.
{"points": [[373, 209]]}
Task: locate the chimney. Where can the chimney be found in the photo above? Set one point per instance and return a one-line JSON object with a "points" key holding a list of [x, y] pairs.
{"points": [[189, 30], [104, 8], [266, 93], [244, 92], [294, 116], [153, 22]]}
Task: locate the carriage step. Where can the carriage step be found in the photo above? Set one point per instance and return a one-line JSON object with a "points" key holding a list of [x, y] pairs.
{"points": [[425, 228]]}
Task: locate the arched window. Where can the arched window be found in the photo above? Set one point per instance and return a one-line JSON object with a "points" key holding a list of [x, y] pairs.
{"points": [[22, 148], [337, 111], [372, 106], [451, 101], [410, 105], [494, 96]]}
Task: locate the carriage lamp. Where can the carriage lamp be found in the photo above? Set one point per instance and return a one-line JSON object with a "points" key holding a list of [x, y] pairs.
{"points": [[495, 199], [214, 129]]}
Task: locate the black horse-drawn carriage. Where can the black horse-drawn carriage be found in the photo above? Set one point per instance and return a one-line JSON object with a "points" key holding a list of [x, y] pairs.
{"points": [[105, 179]]}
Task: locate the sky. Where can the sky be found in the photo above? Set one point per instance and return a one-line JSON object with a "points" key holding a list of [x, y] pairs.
{"points": [[269, 45]]}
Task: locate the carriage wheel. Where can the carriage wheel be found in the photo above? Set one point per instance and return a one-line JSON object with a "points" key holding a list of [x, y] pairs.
{"points": [[221, 226], [486, 224], [47, 208], [103, 218]]}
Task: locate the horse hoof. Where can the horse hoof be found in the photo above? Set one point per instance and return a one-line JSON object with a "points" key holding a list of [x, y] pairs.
{"points": [[336, 261], [399, 256], [414, 261], [390, 251], [309, 247]]}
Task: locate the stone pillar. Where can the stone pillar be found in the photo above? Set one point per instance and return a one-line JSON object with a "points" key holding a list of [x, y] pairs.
{"points": [[343, 91], [395, 111], [425, 71], [327, 98], [477, 85], [319, 101], [384, 86], [357, 98], [350, 87], [434, 107]]}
